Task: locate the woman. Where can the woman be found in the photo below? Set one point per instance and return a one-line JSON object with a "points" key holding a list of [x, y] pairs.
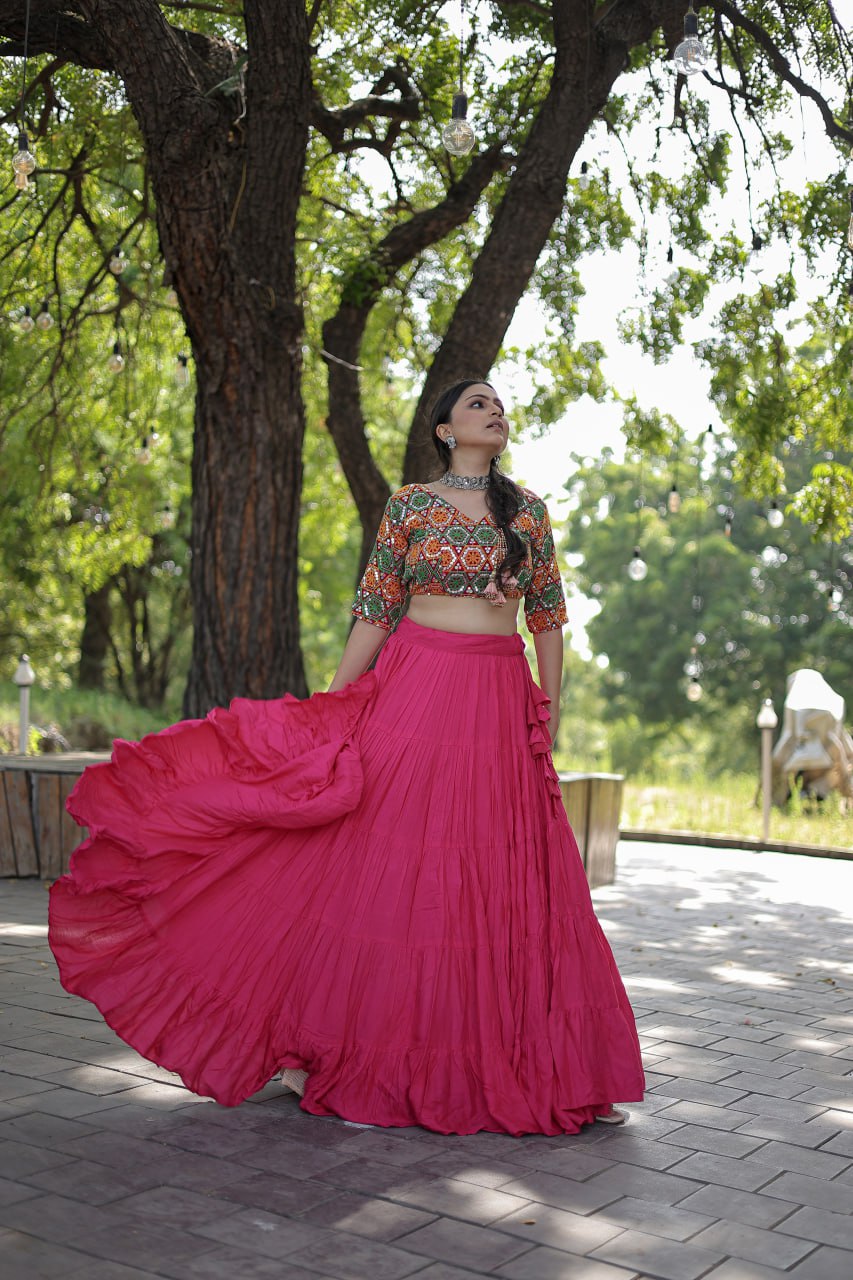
{"points": [[375, 890]]}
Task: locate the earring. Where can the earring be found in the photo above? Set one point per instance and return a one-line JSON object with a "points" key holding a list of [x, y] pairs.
{"points": [[450, 441]]}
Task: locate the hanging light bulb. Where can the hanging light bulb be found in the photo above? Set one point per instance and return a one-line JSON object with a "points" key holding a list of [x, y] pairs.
{"points": [[638, 568], [458, 136], [26, 323], [118, 261], [775, 518], [673, 501], [583, 179], [836, 598], [115, 364], [693, 667], [182, 372], [44, 320], [167, 517], [690, 56], [850, 223], [23, 162], [727, 527], [694, 689], [671, 276], [143, 453]]}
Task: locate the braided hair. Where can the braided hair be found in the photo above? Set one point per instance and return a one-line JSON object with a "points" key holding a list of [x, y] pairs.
{"points": [[503, 497]]}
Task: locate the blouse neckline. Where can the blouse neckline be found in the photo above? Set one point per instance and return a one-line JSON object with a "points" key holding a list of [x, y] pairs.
{"points": [[486, 519]]}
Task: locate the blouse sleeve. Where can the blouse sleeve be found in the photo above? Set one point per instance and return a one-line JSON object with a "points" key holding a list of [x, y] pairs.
{"points": [[380, 595], [544, 601]]}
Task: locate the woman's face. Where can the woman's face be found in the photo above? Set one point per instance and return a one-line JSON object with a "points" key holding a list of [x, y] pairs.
{"points": [[478, 418]]}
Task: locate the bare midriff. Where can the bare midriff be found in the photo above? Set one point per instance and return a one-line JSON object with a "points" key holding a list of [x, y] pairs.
{"points": [[466, 615]]}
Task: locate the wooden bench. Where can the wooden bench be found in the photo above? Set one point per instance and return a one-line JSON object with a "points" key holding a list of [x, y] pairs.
{"points": [[37, 835], [594, 802]]}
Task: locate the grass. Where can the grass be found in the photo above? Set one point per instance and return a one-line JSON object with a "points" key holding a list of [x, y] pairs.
{"points": [[67, 708], [726, 806]]}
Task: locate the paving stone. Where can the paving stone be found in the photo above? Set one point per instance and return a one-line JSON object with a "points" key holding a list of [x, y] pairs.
{"points": [[662, 1188], [483, 1173], [463, 1200], [20, 1086], [25, 1258], [256, 1231], [684, 1071], [744, 1174], [738, 1269], [754, 1244], [825, 1264], [545, 1225], [211, 1139], [562, 1193], [817, 1192], [40, 1130], [442, 1271], [714, 1141], [655, 1219], [19, 1159], [175, 1207], [56, 1218], [95, 1183], [233, 1264], [738, 1206], [820, 1225], [568, 1163], [810, 1135], [626, 1148], [553, 1264], [12, 1192], [281, 1195], [364, 1216], [784, 1156], [664, 1258], [462, 1244], [141, 1245], [354, 1259], [703, 1114]]}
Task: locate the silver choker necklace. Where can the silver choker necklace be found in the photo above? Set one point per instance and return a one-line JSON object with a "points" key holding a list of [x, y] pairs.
{"points": [[464, 482]]}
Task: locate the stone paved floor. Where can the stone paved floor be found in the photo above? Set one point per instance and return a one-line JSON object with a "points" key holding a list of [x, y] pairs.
{"points": [[739, 1166]]}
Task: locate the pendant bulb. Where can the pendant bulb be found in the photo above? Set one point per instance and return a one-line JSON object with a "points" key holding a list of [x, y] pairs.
{"points": [[458, 136]]}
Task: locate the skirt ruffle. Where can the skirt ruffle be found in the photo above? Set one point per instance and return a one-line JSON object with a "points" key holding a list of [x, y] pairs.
{"points": [[378, 886]]}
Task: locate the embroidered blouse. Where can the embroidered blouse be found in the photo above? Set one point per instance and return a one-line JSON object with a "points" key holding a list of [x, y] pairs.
{"points": [[427, 546]]}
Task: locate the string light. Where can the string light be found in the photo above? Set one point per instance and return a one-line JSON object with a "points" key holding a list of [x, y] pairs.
{"points": [[118, 261], [637, 568], [850, 223], [672, 275], [24, 162], [458, 136], [115, 363], [775, 517], [26, 323], [182, 372], [583, 179], [673, 501], [690, 56], [694, 690], [44, 320]]}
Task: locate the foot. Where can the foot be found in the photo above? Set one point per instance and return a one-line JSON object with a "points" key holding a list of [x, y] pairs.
{"points": [[294, 1080], [613, 1116]]}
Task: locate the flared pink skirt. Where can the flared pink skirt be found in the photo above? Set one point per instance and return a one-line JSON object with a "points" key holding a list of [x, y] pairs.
{"points": [[378, 886]]}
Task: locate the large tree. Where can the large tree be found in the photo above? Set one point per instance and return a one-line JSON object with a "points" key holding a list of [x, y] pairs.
{"points": [[224, 96]]}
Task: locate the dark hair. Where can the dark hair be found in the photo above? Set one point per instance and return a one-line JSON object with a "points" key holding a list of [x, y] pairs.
{"points": [[503, 497]]}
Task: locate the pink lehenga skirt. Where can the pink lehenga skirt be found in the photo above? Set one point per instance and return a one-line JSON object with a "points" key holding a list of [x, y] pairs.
{"points": [[378, 886]]}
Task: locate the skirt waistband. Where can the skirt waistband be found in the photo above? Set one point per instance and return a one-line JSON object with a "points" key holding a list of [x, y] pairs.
{"points": [[458, 641]]}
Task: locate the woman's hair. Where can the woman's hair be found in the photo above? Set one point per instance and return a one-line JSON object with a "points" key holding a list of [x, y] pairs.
{"points": [[503, 497]]}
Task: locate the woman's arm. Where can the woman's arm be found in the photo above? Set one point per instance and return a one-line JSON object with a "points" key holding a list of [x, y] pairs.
{"points": [[365, 641], [549, 659]]}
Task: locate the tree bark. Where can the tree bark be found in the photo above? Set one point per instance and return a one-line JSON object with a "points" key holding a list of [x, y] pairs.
{"points": [[227, 184], [95, 638]]}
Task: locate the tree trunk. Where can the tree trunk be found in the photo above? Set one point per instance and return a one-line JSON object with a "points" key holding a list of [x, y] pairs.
{"points": [[95, 638]]}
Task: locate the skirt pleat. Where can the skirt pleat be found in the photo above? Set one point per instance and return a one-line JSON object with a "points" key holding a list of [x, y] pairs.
{"points": [[377, 886]]}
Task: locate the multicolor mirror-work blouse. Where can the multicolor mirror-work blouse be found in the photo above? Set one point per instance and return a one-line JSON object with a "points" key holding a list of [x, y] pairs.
{"points": [[426, 546]]}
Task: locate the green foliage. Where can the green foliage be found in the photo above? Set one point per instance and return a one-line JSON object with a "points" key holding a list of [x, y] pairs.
{"points": [[749, 606]]}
